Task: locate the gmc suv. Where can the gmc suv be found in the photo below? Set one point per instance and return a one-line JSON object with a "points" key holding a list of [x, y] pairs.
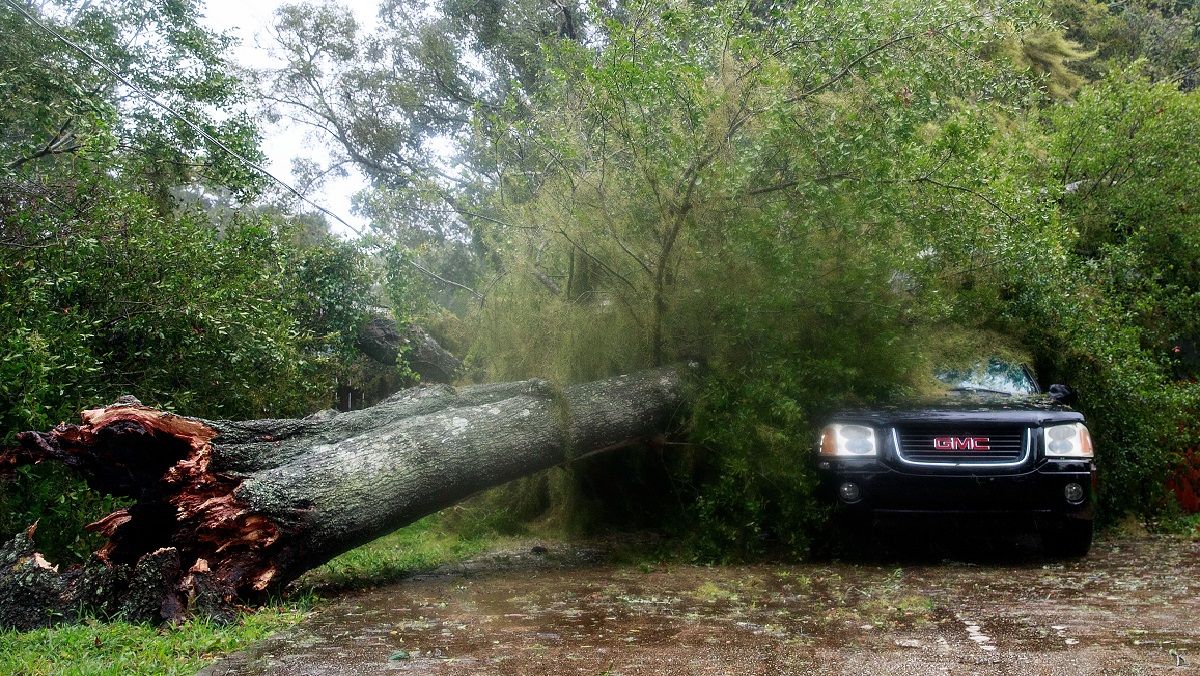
{"points": [[993, 445]]}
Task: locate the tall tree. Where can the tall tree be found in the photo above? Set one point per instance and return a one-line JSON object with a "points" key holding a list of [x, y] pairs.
{"points": [[394, 100], [707, 143], [59, 104]]}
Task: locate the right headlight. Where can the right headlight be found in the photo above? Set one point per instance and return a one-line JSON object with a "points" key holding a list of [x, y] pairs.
{"points": [[852, 440], [1067, 441]]}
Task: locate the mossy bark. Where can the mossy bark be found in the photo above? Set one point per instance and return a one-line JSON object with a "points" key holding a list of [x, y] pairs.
{"points": [[225, 512]]}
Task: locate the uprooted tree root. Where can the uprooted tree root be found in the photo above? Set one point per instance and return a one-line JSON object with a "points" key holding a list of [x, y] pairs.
{"points": [[186, 543]]}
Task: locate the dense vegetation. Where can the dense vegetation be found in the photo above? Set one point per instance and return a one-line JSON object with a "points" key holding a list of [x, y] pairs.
{"points": [[129, 261], [818, 202]]}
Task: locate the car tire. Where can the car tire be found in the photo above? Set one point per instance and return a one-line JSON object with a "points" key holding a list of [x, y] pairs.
{"points": [[1070, 538]]}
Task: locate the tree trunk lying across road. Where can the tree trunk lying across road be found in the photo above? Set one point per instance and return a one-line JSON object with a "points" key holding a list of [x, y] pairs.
{"points": [[225, 512]]}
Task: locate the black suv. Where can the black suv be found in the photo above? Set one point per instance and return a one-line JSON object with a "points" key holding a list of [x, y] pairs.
{"points": [[994, 445]]}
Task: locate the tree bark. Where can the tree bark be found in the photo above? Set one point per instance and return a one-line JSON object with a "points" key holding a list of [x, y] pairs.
{"points": [[226, 512]]}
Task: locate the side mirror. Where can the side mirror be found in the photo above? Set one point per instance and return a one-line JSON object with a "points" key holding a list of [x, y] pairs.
{"points": [[1061, 394]]}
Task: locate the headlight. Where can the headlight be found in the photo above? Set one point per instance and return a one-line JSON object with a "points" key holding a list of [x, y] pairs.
{"points": [[856, 440], [1067, 441]]}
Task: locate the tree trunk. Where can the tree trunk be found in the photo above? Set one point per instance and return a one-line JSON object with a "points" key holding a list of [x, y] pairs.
{"points": [[229, 511]]}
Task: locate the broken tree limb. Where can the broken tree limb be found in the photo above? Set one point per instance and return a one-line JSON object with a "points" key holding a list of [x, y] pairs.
{"points": [[225, 512], [381, 339]]}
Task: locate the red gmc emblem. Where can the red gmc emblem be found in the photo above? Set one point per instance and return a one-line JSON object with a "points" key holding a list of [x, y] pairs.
{"points": [[961, 443]]}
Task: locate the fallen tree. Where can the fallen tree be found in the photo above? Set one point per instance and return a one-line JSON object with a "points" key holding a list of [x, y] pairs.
{"points": [[225, 512]]}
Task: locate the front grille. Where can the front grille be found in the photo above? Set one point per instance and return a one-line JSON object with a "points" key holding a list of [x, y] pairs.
{"points": [[965, 445]]}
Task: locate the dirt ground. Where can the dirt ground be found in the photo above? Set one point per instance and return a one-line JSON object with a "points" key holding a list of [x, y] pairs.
{"points": [[1131, 607]]}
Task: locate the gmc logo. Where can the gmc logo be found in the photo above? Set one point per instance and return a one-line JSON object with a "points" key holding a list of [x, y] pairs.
{"points": [[961, 443]]}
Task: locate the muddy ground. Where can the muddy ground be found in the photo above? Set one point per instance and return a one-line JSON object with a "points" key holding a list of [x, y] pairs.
{"points": [[935, 606]]}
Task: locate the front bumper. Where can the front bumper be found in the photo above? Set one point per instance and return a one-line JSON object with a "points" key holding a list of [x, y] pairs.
{"points": [[1036, 490]]}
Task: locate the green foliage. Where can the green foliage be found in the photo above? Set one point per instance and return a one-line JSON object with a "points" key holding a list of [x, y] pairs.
{"points": [[232, 323], [721, 162], [1050, 54], [1187, 525], [1164, 36], [1115, 314], [801, 197], [58, 105], [242, 322], [809, 227], [719, 191]]}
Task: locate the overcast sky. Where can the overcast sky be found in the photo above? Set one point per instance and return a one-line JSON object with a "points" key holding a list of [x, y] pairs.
{"points": [[248, 20]]}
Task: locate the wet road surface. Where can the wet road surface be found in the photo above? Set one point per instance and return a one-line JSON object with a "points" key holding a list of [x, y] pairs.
{"points": [[1131, 607]]}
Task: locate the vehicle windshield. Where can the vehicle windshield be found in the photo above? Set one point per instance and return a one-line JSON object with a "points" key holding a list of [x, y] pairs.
{"points": [[993, 376]]}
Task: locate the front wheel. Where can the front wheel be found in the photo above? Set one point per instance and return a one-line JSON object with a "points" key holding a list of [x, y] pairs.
{"points": [[1070, 538]]}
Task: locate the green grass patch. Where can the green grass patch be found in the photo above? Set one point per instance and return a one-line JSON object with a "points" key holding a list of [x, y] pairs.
{"points": [[1187, 525], [433, 541], [120, 648], [711, 592]]}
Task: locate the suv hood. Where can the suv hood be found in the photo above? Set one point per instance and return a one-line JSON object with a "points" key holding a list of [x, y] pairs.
{"points": [[968, 408]]}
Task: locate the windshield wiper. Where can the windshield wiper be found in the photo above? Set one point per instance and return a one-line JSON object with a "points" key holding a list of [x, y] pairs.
{"points": [[980, 389]]}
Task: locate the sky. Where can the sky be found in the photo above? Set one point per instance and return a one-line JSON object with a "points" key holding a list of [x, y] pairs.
{"points": [[283, 141]]}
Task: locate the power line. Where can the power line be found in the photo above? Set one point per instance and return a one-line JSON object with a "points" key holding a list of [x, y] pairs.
{"points": [[171, 111]]}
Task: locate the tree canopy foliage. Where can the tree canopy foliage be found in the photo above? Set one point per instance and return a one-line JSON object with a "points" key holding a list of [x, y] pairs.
{"points": [[819, 201]]}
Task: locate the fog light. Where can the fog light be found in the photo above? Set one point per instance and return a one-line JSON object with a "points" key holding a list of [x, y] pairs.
{"points": [[1074, 493], [850, 492]]}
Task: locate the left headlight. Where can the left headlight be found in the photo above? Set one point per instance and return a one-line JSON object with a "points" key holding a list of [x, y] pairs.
{"points": [[1067, 441], [853, 440]]}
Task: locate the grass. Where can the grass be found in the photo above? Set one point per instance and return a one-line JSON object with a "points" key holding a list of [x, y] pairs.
{"points": [[426, 544], [98, 648], [1187, 525], [889, 609], [711, 592], [102, 647]]}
